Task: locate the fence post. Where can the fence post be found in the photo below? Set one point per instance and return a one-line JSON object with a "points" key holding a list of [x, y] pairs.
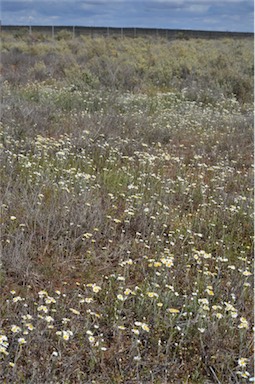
{"points": [[134, 32], [52, 32], [121, 32], [30, 27], [73, 32], [108, 32]]}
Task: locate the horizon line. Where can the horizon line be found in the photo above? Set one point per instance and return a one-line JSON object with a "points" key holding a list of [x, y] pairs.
{"points": [[133, 27]]}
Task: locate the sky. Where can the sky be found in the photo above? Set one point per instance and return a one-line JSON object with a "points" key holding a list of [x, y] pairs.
{"points": [[214, 15]]}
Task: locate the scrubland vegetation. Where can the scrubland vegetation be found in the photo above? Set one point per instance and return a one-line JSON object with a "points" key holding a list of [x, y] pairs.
{"points": [[126, 211]]}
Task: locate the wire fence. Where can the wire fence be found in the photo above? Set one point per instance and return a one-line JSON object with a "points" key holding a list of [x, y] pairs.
{"points": [[76, 31]]}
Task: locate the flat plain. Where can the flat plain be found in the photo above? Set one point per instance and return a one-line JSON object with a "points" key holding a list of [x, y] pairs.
{"points": [[126, 210]]}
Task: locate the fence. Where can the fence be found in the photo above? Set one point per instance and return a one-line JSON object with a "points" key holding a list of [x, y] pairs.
{"points": [[170, 34]]}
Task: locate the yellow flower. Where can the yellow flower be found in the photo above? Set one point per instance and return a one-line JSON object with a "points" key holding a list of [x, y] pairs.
{"points": [[152, 294], [15, 329], [145, 327], [30, 326], [157, 264], [243, 323], [167, 262], [242, 362], [229, 307], [91, 339], [67, 334], [16, 299], [43, 293], [50, 300], [42, 308], [247, 273], [96, 288], [243, 374], [87, 235], [3, 351], [74, 311], [209, 290], [65, 320], [88, 300], [215, 307], [173, 310], [49, 319]]}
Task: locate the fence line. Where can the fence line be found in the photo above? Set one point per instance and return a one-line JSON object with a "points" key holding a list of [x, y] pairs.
{"points": [[123, 32]]}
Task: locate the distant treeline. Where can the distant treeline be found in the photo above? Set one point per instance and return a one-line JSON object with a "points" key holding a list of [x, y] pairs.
{"points": [[170, 34]]}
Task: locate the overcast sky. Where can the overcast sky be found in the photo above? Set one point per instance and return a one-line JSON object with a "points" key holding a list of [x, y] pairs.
{"points": [[221, 15]]}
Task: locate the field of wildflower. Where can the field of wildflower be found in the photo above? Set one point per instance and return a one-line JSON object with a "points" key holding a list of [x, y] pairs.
{"points": [[126, 211]]}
